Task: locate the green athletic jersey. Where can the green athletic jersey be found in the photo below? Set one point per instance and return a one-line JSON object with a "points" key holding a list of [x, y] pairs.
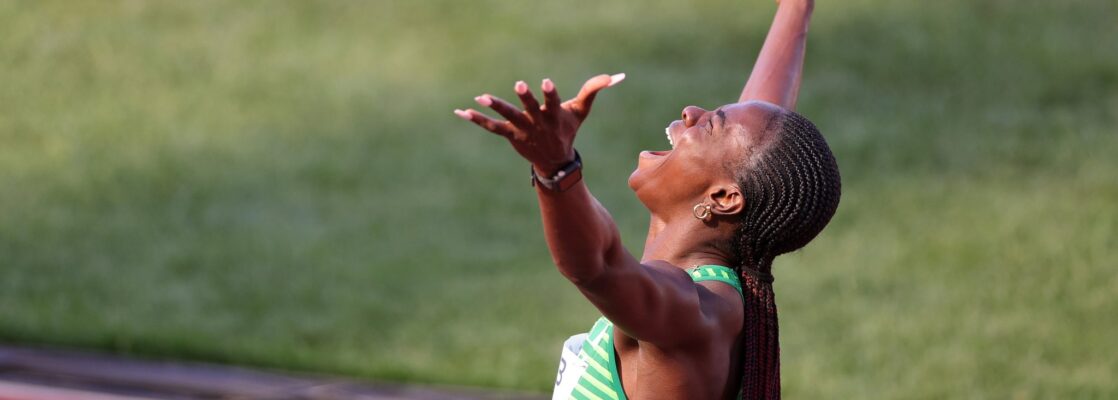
{"points": [[599, 380]]}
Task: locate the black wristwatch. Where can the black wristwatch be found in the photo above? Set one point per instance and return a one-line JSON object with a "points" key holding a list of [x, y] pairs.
{"points": [[567, 176]]}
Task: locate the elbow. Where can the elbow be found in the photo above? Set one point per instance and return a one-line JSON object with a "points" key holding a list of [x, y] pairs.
{"points": [[588, 264], [581, 271]]}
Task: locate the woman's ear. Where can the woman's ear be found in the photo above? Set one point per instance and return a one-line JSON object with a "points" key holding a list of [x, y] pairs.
{"points": [[726, 200]]}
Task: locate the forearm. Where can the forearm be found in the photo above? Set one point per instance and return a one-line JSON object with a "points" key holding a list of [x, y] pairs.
{"points": [[580, 233], [777, 73]]}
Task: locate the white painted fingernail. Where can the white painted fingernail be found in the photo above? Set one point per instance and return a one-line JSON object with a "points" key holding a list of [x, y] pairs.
{"points": [[616, 78], [484, 100], [462, 114]]}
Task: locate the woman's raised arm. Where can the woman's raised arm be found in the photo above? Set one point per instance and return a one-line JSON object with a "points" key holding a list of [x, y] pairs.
{"points": [[776, 75], [656, 303]]}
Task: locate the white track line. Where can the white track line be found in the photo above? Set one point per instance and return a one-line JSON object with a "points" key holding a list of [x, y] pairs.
{"points": [[23, 391]]}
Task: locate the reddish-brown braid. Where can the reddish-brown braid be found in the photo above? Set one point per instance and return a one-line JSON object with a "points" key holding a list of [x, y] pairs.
{"points": [[791, 188]]}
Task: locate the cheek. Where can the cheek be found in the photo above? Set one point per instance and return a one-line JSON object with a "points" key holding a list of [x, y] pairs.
{"points": [[690, 178]]}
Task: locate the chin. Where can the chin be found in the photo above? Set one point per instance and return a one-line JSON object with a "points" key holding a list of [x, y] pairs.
{"points": [[638, 179], [634, 180], [639, 183]]}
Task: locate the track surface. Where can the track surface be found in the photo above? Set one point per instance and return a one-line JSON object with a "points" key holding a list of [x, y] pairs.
{"points": [[50, 374]]}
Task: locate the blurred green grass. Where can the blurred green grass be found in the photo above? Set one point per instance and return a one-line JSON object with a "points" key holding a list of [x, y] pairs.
{"points": [[282, 184]]}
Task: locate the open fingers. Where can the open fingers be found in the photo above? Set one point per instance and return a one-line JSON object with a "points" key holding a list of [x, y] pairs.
{"points": [[552, 103], [581, 104], [499, 127], [531, 106], [506, 110]]}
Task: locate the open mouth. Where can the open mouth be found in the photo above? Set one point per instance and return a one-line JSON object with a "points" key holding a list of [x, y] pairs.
{"points": [[655, 154], [662, 153]]}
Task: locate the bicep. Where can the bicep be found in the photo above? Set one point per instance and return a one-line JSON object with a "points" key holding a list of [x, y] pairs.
{"points": [[655, 302]]}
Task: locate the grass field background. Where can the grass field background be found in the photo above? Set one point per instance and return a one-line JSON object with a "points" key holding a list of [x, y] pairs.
{"points": [[283, 184]]}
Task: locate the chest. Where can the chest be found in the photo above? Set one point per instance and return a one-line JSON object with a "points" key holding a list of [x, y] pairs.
{"points": [[649, 373]]}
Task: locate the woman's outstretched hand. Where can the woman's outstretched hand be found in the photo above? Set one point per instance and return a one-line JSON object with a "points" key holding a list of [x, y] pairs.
{"points": [[542, 134]]}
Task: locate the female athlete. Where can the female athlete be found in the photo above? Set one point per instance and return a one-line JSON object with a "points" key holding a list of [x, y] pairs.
{"points": [[694, 317]]}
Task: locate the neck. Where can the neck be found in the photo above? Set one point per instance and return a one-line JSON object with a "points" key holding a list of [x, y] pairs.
{"points": [[760, 341], [685, 241]]}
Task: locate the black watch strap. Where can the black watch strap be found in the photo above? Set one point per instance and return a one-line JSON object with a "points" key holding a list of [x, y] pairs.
{"points": [[567, 176]]}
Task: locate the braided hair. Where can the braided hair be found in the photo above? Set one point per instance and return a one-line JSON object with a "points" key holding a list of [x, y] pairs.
{"points": [[791, 187]]}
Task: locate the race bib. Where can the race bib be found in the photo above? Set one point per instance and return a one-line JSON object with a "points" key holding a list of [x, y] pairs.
{"points": [[571, 367]]}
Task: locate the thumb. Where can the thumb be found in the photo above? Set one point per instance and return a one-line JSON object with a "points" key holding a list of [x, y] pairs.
{"points": [[585, 99]]}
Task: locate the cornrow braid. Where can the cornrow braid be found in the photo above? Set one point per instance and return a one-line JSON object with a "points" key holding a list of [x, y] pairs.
{"points": [[791, 188]]}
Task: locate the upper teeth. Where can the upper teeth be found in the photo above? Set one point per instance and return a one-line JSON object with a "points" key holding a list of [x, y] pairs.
{"points": [[668, 133]]}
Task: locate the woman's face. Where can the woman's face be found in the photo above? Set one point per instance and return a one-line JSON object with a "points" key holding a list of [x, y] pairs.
{"points": [[704, 144]]}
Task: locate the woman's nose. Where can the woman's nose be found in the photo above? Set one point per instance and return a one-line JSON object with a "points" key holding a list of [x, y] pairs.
{"points": [[691, 115]]}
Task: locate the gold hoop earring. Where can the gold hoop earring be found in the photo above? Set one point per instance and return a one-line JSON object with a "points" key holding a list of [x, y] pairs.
{"points": [[702, 211]]}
